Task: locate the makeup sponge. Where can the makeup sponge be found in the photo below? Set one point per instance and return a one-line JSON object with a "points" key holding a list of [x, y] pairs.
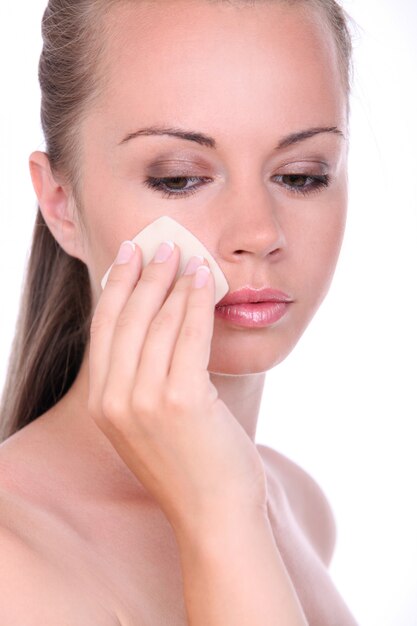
{"points": [[166, 228]]}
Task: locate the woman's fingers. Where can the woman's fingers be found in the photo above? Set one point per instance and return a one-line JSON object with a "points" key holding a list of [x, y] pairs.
{"points": [[122, 279], [162, 337], [142, 328], [192, 351], [133, 324]]}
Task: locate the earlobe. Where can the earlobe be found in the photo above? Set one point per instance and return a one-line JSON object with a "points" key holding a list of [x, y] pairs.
{"points": [[56, 205]]}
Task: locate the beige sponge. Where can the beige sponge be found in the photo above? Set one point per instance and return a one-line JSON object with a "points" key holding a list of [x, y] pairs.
{"points": [[166, 228]]}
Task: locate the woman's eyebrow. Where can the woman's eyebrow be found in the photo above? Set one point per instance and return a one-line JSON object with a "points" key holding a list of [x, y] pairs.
{"points": [[210, 142]]}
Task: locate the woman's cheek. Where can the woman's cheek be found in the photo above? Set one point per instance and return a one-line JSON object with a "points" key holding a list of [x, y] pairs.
{"points": [[328, 250]]}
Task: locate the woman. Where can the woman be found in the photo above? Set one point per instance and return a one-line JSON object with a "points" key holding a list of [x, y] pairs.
{"points": [[132, 490]]}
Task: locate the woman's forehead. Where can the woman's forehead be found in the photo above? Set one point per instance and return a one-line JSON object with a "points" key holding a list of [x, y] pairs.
{"points": [[192, 61]]}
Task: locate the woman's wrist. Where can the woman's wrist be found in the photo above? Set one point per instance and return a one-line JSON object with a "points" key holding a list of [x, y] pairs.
{"points": [[210, 528], [234, 574]]}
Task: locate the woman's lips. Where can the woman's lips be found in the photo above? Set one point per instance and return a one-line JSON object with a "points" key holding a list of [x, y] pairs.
{"points": [[253, 307], [253, 294], [253, 314]]}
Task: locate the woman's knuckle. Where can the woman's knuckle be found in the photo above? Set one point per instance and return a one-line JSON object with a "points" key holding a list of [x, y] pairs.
{"points": [[162, 321], [113, 407], [190, 331], [196, 307], [150, 275], [99, 321], [175, 400], [142, 403], [123, 320], [115, 279]]}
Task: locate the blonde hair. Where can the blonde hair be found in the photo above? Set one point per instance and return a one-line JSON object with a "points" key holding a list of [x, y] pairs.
{"points": [[55, 312]]}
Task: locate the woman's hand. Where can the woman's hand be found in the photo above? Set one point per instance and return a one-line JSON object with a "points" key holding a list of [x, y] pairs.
{"points": [[151, 394]]}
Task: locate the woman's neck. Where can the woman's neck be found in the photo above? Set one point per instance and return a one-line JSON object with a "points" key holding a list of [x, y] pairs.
{"points": [[242, 395]]}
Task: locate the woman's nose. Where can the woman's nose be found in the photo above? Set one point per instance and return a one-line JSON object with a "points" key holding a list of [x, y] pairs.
{"points": [[252, 224]]}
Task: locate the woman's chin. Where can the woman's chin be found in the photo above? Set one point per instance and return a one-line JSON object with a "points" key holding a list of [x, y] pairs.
{"points": [[238, 350], [239, 363]]}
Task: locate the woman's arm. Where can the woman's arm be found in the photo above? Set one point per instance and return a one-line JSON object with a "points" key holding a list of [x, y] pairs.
{"points": [[151, 394], [234, 575]]}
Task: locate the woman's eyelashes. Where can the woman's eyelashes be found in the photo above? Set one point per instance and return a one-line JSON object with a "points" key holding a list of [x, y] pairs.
{"points": [[304, 184]]}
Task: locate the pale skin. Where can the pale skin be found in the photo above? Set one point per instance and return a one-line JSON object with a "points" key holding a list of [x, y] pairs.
{"points": [[127, 512]]}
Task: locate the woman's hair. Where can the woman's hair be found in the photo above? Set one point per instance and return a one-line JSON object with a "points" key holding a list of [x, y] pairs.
{"points": [[55, 313]]}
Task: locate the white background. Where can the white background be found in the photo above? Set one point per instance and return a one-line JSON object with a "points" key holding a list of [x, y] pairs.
{"points": [[343, 404]]}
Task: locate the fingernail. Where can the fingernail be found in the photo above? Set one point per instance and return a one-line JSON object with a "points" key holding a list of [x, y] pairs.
{"points": [[125, 253], [192, 265], [164, 251], [201, 276]]}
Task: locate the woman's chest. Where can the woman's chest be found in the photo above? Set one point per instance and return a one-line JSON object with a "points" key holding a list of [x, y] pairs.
{"points": [[127, 557], [143, 570], [148, 575]]}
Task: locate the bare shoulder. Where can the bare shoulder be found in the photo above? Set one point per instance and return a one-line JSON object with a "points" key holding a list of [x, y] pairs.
{"points": [[307, 501], [34, 593], [35, 590], [38, 582]]}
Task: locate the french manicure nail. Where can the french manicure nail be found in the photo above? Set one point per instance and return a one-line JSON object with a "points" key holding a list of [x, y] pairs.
{"points": [[125, 253], [192, 265], [164, 251], [201, 276]]}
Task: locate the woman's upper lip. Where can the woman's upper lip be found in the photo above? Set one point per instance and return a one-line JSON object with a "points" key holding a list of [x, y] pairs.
{"points": [[250, 294]]}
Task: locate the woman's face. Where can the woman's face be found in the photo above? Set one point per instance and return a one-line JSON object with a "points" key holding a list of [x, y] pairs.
{"points": [[248, 77]]}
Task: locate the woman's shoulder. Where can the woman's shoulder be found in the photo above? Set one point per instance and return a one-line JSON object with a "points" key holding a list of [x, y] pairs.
{"points": [[33, 591], [41, 573], [307, 501]]}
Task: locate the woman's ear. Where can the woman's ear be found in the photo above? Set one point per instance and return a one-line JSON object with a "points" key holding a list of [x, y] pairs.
{"points": [[57, 206]]}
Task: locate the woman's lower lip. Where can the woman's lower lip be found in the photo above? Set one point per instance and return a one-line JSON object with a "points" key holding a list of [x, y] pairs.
{"points": [[253, 314]]}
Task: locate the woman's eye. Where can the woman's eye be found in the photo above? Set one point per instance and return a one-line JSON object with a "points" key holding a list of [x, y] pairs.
{"points": [[304, 183], [178, 186]]}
